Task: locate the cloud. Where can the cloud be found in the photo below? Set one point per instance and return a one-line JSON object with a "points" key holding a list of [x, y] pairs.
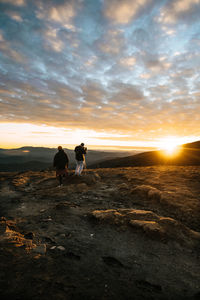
{"points": [[127, 110], [58, 20], [15, 16], [123, 12], [52, 40], [126, 93], [61, 13], [145, 76], [6, 48], [141, 38], [94, 93], [128, 61], [14, 2], [155, 64], [112, 42], [185, 10], [1, 37], [59, 28]]}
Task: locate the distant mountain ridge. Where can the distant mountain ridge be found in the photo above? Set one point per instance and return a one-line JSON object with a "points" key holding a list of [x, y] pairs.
{"points": [[189, 155], [37, 158]]}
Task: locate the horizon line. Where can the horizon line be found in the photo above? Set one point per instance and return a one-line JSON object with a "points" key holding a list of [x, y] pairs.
{"points": [[90, 147]]}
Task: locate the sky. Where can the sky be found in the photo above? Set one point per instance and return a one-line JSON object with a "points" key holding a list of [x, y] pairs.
{"points": [[105, 72]]}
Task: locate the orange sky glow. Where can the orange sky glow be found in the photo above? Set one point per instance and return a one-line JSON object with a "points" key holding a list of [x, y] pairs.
{"points": [[14, 135]]}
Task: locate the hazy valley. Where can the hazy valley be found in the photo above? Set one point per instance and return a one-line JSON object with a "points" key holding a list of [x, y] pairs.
{"points": [[38, 158]]}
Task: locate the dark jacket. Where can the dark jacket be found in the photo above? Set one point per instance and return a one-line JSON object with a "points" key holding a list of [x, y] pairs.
{"points": [[60, 160], [80, 151]]}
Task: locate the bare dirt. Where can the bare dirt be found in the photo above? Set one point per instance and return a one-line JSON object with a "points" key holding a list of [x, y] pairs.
{"points": [[125, 233]]}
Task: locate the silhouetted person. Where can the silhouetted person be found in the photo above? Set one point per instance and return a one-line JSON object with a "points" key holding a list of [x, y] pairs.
{"points": [[61, 162], [80, 158]]}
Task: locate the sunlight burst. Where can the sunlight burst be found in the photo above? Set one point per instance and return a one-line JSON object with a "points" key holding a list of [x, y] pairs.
{"points": [[169, 145]]}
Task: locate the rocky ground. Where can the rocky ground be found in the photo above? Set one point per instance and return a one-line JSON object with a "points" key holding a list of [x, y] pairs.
{"points": [[126, 233]]}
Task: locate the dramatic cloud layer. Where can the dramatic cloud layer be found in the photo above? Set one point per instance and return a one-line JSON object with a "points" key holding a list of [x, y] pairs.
{"points": [[128, 67]]}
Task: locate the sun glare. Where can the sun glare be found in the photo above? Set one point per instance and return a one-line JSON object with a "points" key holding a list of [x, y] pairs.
{"points": [[169, 145]]}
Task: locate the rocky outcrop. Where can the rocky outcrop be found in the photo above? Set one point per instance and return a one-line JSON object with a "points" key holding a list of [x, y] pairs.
{"points": [[146, 192], [10, 237], [155, 226]]}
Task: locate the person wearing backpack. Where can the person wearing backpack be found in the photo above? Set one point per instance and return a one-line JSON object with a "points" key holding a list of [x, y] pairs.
{"points": [[80, 152], [61, 162]]}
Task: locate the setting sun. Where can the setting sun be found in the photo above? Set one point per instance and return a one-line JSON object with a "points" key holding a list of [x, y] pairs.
{"points": [[170, 145]]}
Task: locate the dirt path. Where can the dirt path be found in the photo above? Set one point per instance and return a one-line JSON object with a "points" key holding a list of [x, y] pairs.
{"points": [[129, 233]]}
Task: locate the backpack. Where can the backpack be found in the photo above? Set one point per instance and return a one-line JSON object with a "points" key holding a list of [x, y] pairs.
{"points": [[79, 153]]}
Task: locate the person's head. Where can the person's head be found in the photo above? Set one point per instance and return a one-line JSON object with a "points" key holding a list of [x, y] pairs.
{"points": [[82, 144], [59, 148]]}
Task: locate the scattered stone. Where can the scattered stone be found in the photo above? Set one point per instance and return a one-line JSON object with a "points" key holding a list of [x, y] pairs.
{"points": [[61, 248], [47, 220], [53, 248]]}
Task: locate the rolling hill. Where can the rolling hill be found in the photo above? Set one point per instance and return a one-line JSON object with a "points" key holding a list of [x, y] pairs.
{"points": [[188, 154]]}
